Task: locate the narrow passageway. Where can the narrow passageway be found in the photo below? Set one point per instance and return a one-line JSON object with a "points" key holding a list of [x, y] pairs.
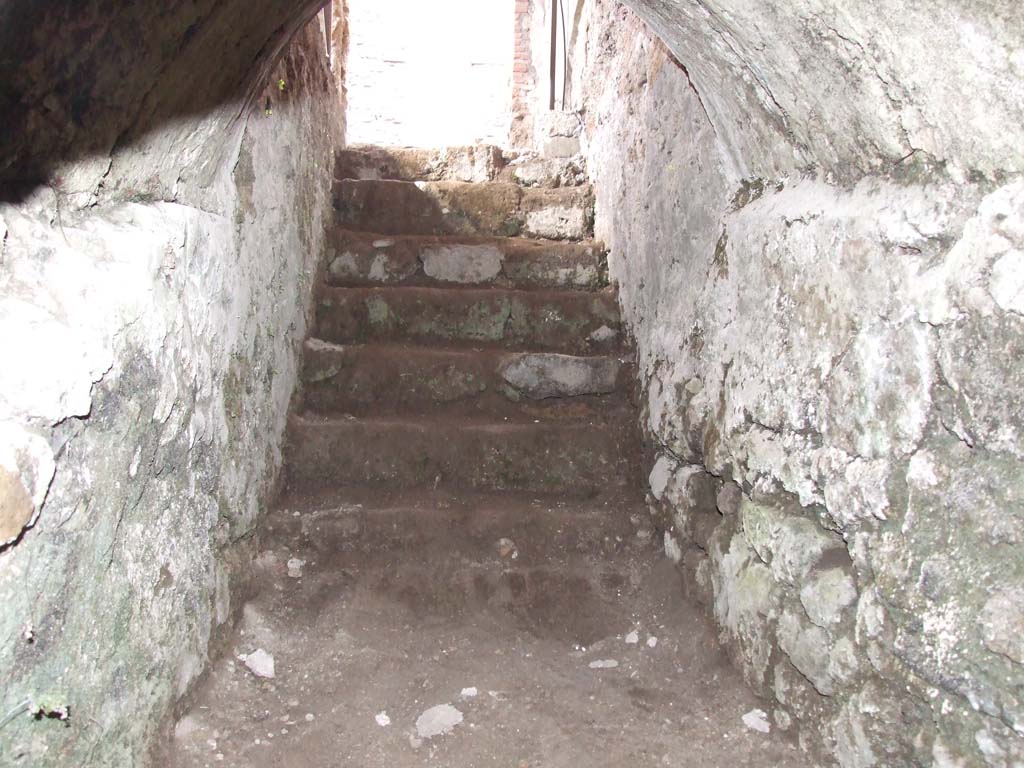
{"points": [[461, 569]]}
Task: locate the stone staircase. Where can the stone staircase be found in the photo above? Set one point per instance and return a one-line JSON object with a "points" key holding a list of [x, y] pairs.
{"points": [[456, 348], [461, 532]]}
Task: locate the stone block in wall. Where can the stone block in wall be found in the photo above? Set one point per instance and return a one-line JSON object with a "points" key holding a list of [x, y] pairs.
{"points": [[556, 123], [26, 469], [827, 594], [561, 146], [789, 543], [728, 499], [688, 498], [678, 415], [807, 647], [559, 134], [745, 604]]}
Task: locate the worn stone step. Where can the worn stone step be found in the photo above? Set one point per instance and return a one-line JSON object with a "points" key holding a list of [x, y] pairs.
{"points": [[573, 322], [476, 163], [507, 527], [364, 258], [395, 378], [551, 564], [500, 209], [574, 458], [576, 598]]}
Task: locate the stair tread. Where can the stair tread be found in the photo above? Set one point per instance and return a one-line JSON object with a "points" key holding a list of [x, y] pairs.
{"points": [[369, 258], [406, 348], [542, 320], [375, 499], [442, 291], [522, 243], [435, 524], [421, 451], [613, 416]]}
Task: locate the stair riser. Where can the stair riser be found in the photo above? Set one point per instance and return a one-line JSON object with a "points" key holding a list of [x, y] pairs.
{"points": [[385, 379], [572, 459], [560, 322], [475, 163], [452, 208], [364, 259]]}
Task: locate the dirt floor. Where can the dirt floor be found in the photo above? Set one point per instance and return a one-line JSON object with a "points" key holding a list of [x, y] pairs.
{"points": [[555, 633]]}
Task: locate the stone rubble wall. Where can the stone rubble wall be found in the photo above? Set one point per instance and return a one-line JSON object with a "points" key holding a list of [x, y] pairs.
{"points": [[154, 296], [827, 304]]}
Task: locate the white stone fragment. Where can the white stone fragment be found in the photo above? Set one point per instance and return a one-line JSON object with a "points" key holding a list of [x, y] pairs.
{"points": [[757, 720], [672, 549], [652, 642], [295, 567], [604, 664], [602, 334], [382, 719], [259, 662], [469, 693], [437, 721], [632, 638], [507, 549], [660, 475]]}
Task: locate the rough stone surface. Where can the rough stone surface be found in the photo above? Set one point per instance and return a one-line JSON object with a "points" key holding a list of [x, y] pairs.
{"points": [[538, 375], [155, 276], [826, 594], [820, 263], [462, 263]]}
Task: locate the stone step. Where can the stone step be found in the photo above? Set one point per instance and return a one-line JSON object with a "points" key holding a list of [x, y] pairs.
{"points": [[506, 527], [364, 258], [551, 565], [480, 162], [573, 322], [472, 164], [574, 599], [575, 458], [501, 209], [392, 378]]}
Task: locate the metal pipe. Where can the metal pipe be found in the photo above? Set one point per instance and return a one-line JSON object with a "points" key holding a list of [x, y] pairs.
{"points": [[554, 51], [565, 54], [328, 23]]}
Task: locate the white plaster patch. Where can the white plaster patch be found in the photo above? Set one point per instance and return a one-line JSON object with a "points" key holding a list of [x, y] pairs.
{"points": [[1007, 282], [921, 470]]}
